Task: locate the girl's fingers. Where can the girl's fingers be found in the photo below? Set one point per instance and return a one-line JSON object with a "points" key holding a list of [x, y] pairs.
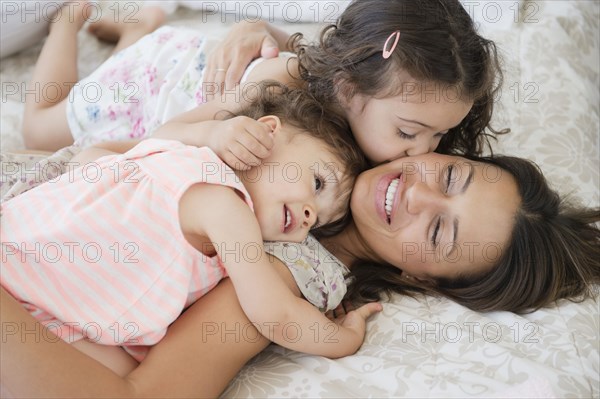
{"points": [[258, 140], [234, 162], [247, 158]]}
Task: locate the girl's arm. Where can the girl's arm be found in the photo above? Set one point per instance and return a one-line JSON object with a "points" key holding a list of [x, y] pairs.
{"points": [[217, 214], [195, 359]]}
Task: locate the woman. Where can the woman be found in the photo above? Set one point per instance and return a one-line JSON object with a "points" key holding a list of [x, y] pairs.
{"points": [[489, 234]]}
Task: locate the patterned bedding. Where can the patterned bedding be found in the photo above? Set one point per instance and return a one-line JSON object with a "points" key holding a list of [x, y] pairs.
{"points": [[432, 347]]}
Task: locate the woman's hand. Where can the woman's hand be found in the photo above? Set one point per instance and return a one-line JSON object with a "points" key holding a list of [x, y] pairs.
{"points": [[244, 42]]}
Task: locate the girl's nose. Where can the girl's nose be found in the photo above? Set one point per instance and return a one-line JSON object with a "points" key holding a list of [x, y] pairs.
{"points": [[309, 216], [421, 147]]}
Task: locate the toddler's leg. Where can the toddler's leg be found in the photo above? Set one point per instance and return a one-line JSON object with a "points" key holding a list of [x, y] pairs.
{"points": [[45, 122], [125, 30]]}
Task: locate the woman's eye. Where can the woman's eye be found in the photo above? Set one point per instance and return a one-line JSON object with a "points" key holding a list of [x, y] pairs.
{"points": [[449, 177], [434, 236], [404, 135]]}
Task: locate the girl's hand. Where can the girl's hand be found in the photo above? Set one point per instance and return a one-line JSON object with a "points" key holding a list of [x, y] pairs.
{"points": [[244, 42], [241, 142]]}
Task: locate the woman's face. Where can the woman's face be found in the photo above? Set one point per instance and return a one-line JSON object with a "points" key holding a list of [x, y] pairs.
{"points": [[435, 215]]}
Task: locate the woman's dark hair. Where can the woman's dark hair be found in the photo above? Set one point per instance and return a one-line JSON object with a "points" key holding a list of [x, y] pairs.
{"points": [[438, 44], [553, 253], [302, 110]]}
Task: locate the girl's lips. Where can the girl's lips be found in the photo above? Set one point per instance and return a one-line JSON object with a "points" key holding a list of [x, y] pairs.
{"points": [[289, 221], [380, 194]]}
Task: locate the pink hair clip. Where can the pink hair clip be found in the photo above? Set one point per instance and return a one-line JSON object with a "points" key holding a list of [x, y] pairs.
{"points": [[387, 53]]}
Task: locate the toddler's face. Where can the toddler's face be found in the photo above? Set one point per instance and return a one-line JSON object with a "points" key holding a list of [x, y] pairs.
{"points": [[408, 124], [299, 186]]}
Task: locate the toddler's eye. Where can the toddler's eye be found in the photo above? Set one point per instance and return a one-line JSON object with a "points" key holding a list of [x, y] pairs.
{"points": [[318, 183], [405, 135]]}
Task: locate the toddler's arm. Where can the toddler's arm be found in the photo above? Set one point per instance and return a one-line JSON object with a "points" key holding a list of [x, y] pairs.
{"points": [[217, 213]]}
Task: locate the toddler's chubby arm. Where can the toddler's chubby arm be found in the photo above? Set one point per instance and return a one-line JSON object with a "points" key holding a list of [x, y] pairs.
{"points": [[215, 217]]}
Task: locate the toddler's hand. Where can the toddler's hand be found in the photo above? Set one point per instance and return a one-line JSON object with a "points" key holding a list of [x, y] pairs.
{"points": [[242, 142], [356, 322]]}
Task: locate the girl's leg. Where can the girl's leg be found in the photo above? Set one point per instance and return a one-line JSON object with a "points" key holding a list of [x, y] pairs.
{"points": [[45, 122], [126, 30]]}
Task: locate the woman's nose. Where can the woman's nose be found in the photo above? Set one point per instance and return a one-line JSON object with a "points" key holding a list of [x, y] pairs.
{"points": [[309, 216], [422, 198]]}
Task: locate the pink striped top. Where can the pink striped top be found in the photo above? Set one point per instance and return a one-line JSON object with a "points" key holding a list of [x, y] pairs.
{"points": [[99, 252]]}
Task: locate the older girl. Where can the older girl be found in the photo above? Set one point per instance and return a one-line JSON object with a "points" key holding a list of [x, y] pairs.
{"points": [[409, 76]]}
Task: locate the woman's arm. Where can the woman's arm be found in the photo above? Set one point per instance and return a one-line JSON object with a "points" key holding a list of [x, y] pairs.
{"points": [[195, 359], [35, 362], [245, 41]]}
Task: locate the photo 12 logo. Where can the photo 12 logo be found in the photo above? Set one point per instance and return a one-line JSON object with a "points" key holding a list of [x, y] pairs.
{"points": [[454, 332], [52, 11]]}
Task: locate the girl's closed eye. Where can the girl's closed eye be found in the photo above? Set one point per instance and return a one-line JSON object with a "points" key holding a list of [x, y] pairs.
{"points": [[405, 135]]}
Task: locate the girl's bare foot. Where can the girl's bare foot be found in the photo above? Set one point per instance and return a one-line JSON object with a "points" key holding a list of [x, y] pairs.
{"points": [[71, 15], [112, 28]]}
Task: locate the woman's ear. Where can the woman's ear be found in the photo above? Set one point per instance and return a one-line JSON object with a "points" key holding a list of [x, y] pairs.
{"points": [[272, 121]]}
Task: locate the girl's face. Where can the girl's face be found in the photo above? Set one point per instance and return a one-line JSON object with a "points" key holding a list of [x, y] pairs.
{"points": [[435, 215], [409, 124]]}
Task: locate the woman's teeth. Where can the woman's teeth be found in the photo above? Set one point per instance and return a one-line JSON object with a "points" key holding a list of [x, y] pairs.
{"points": [[288, 219], [389, 196]]}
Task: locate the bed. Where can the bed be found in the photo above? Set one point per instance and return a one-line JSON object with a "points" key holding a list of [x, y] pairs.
{"points": [[432, 347]]}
